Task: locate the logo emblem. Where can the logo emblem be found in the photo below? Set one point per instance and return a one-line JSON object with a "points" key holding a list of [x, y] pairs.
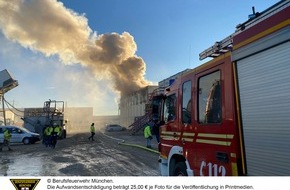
{"points": [[25, 184]]}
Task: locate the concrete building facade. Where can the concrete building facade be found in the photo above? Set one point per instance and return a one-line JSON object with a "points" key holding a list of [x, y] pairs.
{"points": [[133, 106]]}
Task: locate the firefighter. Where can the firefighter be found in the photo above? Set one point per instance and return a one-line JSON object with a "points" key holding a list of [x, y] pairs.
{"points": [[46, 136], [7, 137], [55, 133], [49, 134], [93, 132], [58, 131], [155, 128], [148, 135]]}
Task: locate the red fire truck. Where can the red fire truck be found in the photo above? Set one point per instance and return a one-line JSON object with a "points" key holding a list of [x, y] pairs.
{"points": [[231, 115]]}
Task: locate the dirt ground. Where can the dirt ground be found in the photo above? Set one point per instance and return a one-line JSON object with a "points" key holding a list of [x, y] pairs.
{"points": [[111, 154]]}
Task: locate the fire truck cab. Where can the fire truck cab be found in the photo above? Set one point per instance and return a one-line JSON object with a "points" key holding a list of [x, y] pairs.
{"points": [[231, 116]]}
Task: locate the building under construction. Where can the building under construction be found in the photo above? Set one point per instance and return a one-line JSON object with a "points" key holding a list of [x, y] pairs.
{"points": [[139, 107]]}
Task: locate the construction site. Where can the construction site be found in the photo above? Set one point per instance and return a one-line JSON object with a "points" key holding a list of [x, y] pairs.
{"points": [[228, 116], [70, 157], [135, 110]]}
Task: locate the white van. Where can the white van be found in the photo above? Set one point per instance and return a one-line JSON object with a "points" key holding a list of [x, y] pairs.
{"points": [[19, 135]]}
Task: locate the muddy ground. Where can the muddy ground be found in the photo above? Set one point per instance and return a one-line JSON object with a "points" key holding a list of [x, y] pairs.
{"points": [[77, 156]]}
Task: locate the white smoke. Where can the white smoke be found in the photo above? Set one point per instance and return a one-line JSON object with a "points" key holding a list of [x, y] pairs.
{"points": [[50, 28]]}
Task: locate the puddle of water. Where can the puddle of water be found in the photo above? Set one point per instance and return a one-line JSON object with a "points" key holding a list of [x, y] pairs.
{"points": [[26, 165]]}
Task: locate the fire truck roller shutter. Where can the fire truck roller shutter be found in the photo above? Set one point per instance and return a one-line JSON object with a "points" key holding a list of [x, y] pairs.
{"points": [[264, 92]]}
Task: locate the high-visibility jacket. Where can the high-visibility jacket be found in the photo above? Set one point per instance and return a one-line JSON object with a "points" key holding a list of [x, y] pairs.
{"points": [[50, 130], [57, 130], [47, 131], [147, 132], [7, 135], [93, 129]]}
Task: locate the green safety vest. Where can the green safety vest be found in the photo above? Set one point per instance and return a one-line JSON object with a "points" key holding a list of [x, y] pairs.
{"points": [[47, 131], [57, 130], [147, 131], [93, 130], [7, 135], [50, 130]]}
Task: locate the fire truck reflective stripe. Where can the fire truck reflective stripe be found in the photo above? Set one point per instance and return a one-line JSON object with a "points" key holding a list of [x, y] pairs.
{"points": [[234, 169], [189, 134], [233, 155], [216, 142], [167, 132], [188, 139], [167, 138], [221, 136], [170, 133], [262, 34], [167, 135]]}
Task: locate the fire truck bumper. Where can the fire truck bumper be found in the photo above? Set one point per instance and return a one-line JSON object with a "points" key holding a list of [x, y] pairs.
{"points": [[163, 166], [189, 172]]}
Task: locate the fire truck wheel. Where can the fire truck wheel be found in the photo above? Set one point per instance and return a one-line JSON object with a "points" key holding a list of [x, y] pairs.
{"points": [[180, 169]]}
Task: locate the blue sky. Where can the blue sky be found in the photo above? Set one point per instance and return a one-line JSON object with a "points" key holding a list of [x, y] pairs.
{"points": [[169, 35]]}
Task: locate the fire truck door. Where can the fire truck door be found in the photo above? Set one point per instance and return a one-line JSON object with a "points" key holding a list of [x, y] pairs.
{"points": [[212, 142]]}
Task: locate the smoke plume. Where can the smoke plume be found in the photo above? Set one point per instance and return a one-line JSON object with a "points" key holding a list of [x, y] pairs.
{"points": [[49, 27]]}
